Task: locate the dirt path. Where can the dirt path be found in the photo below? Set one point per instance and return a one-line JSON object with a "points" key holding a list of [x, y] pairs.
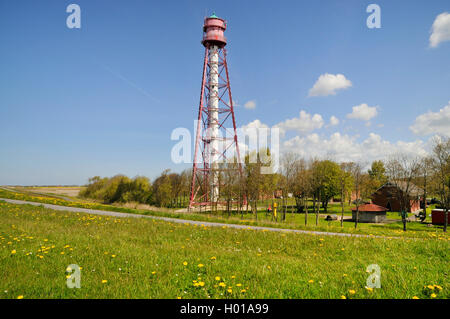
{"points": [[184, 221]]}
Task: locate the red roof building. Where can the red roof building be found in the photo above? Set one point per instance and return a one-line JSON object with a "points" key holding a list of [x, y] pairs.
{"points": [[370, 213]]}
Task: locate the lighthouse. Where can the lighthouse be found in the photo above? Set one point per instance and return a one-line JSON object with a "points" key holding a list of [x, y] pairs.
{"points": [[216, 137]]}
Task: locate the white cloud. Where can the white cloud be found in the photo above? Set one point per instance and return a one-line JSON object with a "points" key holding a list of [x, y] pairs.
{"points": [[250, 105], [328, 84], [440, 30], [341, 147], [334, 120], [304, 123], [249, 130], [363, 112], [433, 122], [255, 124]]}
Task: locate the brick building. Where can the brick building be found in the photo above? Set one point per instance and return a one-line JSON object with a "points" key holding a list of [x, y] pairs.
{"points": [[386, 196]]}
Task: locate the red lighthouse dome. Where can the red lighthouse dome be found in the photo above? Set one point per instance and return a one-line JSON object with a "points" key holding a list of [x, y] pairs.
{"points": [[213, 29]]}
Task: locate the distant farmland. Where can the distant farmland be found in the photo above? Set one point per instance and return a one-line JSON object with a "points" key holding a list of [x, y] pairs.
{"points": [[71, 191]]}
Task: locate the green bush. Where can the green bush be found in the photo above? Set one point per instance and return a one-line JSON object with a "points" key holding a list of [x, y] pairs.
{"points": [[119, 188]]}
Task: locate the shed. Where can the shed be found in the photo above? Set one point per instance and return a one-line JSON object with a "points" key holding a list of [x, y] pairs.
{"points": [[370, 213], [438, 217]]}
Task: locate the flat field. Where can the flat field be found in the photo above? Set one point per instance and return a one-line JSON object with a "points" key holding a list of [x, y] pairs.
{"points": [[144, 258], [71, 191]]}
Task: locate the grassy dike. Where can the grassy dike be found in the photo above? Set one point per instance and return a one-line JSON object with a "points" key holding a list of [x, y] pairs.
{"points": [[140, 258]]}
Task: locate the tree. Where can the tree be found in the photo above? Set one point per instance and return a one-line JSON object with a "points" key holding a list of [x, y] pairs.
{"points": [[426, 171], [301, 186], [402, 171], [94, 188], [289, 163], [230, 184], [329, 182], [441, 157], [346, 185], [324, 181], [176, 182], [115, 188], [162, 190], [258, 183], [358, 187], [138, 190], [253, 180], [377, 174], [315, 181]]}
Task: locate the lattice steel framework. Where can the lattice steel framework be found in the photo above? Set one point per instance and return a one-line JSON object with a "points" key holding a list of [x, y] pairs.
{"points": [[216, 142]]}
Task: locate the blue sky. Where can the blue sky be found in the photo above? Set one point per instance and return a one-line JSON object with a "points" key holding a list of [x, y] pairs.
{"points": [[104, 99]]}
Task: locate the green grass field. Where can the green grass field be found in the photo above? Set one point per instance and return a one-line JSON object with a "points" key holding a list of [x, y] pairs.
{"points": [[143, 258], [293, 221]]}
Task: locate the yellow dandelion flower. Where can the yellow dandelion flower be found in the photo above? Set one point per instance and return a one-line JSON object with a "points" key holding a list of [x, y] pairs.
{"points": [[200, 265], [113, 256], [415, 297], [213, 258], [433, 295], [104, 281], [222, 284], [311, 281], [352, 292], [217, 278], [230, 290], [369, 289], [13, 252], [20, 297], [343, 297], [153, 272], [185, 263]]}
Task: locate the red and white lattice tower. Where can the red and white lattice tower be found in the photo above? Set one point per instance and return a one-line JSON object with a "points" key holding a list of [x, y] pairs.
{"points": [[216, 136]]}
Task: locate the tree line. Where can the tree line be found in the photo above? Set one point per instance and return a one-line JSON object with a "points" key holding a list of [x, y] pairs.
{"points": [[311, 183]]}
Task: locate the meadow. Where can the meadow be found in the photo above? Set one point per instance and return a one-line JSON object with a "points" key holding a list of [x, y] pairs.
{"points": [[293, 221], [145, 258]]}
